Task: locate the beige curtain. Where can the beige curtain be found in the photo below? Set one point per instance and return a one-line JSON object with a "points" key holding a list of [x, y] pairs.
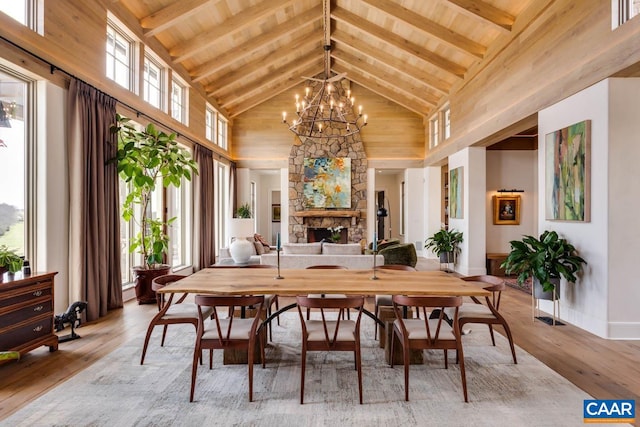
{"points": [[94, 226], [233, 187], [204, 184]]}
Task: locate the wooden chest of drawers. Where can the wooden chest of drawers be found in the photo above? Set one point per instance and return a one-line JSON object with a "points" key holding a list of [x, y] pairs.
{"points": [[26, 313]]}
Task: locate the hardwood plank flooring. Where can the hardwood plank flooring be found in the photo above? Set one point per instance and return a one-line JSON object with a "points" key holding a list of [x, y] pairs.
{"points": [[605, 369]]}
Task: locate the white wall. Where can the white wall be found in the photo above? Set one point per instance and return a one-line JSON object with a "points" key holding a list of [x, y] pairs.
{"points": [[414, 189], [606, 298], [432, 204], [510, 169]]}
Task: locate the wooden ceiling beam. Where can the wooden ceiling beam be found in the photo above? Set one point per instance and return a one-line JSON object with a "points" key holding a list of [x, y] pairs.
{"points": [[256, 44], [429, 27], [171, 15], [275, 90], [486, 12], [385, 36], [220, 87], [383, 90], [362, 48], [233, 25], [409, 90], [273, 77]]}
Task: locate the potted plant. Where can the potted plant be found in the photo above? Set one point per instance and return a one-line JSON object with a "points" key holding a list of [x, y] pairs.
{"points": [[9, 261], [544, 259], [445, 244], [244, 211], [146, 159]]}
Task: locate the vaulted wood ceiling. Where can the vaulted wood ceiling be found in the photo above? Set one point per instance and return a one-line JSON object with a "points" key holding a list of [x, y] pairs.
{"points": [[244, 52]]}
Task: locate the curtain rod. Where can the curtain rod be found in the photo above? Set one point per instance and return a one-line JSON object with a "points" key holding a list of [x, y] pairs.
{"points": [[139, 113]]}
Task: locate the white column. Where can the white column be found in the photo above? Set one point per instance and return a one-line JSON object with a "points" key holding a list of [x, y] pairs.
{"points": [[432, 204]]}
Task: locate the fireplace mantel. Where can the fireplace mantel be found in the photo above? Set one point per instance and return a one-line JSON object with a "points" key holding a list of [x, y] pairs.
{"points": [[331, 213]]}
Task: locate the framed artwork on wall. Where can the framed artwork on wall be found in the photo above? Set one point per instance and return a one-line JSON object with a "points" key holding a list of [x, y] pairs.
{"points": [[327, 182], [275, 213], [506, 210], [568, 173], [455, 193]]}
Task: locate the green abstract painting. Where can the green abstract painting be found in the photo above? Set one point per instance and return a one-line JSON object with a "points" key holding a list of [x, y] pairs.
{"points": [[455, 193], [327, 182], [568, 170]]}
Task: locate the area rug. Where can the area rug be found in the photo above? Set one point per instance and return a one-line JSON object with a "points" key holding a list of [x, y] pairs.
{"points": [[513, 282], [117, 391]]}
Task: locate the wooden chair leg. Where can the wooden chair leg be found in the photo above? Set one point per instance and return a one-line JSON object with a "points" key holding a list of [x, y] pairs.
{"points": [[302, 372], [359, 368], [146, 342], [164, 334], [277, 303], [375, 324], [493, 340], [462, 372], [194, 370], [405, 356], [510, 338], [250, 352]]}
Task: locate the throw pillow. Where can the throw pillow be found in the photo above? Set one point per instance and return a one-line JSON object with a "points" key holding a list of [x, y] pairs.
{"points": [[341, 249], [259, 248], [302, 248], [261, 239]]}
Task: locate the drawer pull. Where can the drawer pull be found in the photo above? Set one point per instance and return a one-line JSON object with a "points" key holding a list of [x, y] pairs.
{"points": [[38, 308], [38, 328], [37, 293]]}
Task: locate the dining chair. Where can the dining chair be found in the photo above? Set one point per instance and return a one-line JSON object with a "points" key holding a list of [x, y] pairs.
{"points": [[170, 313], [385, 300], [331, 335], [425, 333], [327, 267], [487, 313], [232, 332], [270, 300]]}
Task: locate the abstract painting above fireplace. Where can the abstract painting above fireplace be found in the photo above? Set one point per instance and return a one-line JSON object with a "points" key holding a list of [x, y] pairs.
{"points": [[327, 182]]}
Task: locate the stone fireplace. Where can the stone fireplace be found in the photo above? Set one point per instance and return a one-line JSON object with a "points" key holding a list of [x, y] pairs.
{"points": [[302, 219], [318, 234]]}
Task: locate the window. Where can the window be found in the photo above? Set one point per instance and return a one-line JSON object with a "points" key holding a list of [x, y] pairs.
{"points": [[25, 12], [16, 142], [153, 83], [210, 124], [435, 125], [119, 57], [222, 132], [222, 204], [178, 101], [623, 10], [446, 117], [254, 200], [179, 206]]}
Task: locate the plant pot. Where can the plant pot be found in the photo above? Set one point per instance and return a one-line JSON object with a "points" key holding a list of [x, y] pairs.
{"points": [[143, 278], [539, 293], [447, 257]]}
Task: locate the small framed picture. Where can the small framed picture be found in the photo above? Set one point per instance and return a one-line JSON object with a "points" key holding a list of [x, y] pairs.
{"points": [[506, 210], [275, 213]]}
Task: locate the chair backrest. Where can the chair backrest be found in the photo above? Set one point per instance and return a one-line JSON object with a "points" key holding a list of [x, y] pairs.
{"points": [[162, 281], [397, 267], [327, 267], [229, 303], [422, 303], [495, 285], [342, 304]]}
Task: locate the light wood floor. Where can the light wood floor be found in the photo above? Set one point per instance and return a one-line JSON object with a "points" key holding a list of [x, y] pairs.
{"points": [[603, 368]]}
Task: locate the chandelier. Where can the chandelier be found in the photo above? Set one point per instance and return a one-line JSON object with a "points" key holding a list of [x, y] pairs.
{"points": [[327, 109]]}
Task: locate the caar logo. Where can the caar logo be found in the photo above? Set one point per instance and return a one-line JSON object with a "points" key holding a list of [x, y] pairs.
{"points": [[609, 411]]}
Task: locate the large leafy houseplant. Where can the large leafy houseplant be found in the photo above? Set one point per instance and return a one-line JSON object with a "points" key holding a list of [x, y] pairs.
{"points": [[147, 158], [545, 259], [445, 243]]}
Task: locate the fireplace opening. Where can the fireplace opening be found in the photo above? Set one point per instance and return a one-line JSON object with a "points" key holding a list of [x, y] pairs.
{"points": [[324, 235]]}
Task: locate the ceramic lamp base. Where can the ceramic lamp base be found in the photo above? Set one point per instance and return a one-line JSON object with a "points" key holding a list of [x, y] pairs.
{"points": [[241, 251]]}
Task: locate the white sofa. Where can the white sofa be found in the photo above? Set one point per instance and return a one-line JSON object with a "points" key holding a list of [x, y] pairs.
{"points": [[303, 255]]}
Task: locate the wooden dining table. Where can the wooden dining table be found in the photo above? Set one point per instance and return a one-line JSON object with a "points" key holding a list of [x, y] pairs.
{"points": [[293, 282]]}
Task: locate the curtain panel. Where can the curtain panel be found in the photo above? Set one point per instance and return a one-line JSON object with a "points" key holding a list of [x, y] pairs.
{"points": [[204, 209]]}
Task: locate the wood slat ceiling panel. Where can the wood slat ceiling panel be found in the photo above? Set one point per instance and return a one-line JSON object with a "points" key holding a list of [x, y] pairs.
{"points": [[243, 52]]}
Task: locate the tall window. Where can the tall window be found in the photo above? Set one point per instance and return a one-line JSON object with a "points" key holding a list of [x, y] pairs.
{"points": [[254, 202], [24, 11], [178, 101], [446, 117], [210, 124], [153, 82], [221, 204], [623, 10], [179, 205], [222, 132], [435, 128], [119, 57], [17, 170]]}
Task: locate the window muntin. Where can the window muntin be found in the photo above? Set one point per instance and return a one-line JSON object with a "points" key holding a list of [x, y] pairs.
{"points": [[16, 167], [435, 128], [153, 83], [119, 57], [446, 125], [624, 10], [178, 101], [210, 124], [179, 206], [222, 132]]}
